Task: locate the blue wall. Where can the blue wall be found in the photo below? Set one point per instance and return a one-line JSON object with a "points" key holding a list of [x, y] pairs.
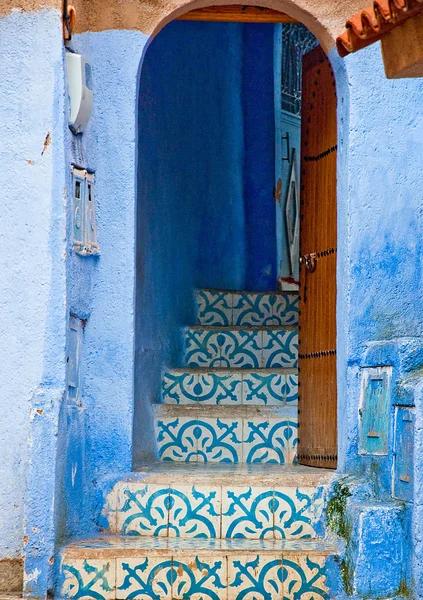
{"points": [[190, 208], [259, 160]]}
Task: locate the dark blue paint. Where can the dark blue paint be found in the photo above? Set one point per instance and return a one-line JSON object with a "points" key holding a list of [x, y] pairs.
{"points": [[259, 161], [190, 209]]}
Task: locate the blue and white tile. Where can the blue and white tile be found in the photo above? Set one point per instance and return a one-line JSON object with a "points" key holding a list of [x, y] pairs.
{"points": [[219, 388], [296, 512], [285, 309], [280, 348], [194, 511], [177, 439], [268, 440], [202, 348], [88, 578], [220, 440], [304, 577], [253, 310], [264, 388], [214, 307], [247, 512], [199, 440], [142, 509], [202, 578], [179, 387], [240, 348], [291, 389], [144, 578], [257, 577]]}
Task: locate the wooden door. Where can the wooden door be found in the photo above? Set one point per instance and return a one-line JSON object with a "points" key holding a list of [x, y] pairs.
{"points": [[317, 334]]}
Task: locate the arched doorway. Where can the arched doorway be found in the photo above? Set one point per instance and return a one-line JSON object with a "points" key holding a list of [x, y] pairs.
{"points": [[213, 151]]}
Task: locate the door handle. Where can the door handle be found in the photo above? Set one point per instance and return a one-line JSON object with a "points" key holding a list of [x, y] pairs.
{"points": [[309, 261]]}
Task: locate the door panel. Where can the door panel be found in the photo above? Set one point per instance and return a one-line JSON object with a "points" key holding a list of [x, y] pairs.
{"points": [[317, 335]]}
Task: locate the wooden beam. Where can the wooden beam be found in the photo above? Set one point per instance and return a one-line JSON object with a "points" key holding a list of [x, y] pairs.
{"points": [[237, 14]]}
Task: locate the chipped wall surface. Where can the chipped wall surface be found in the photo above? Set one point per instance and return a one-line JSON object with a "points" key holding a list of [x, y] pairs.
{"points": [[32, 264]]}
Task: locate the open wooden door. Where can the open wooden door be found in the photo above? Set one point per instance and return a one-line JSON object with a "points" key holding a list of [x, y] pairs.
{"points": [[317, 335]]}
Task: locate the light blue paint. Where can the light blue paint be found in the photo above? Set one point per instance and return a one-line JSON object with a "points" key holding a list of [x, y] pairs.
{"points": [[33, 315]]}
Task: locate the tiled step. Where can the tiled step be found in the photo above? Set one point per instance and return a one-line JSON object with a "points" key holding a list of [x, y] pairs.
{"points": [[240, 347], [123, 568], [251, 434], [273, 387], [219, 503], [220, 307]]}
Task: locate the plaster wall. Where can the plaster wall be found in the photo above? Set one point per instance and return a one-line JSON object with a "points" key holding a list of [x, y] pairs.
{"points": [[190, 209], [32, 262]]}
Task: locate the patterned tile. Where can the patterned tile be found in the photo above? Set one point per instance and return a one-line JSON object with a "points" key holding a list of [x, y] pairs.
{"points": [[253, 309], [285, 309], [269, 440], [144, 578], [142, 509], [296, 511], [304, 577], [200, 579], [202, 348], [199, 440], [265, 388], [280, 348], [291, 388], [194, 511], [240, 348], [179, 388], [214, 307], [247, 513], [89, 579], [219, 388], [255, 577]]}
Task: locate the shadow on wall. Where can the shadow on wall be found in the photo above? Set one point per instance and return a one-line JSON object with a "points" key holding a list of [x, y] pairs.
{"points": [[201, 186]]}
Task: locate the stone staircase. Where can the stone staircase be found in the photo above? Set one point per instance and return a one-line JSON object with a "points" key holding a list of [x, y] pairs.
{"points": [[226, 513]]}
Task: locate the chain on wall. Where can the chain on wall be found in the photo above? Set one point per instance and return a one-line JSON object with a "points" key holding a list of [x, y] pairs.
{"points": [[297, 40]]}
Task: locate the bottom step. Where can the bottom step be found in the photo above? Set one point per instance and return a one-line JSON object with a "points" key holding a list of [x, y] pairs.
{"points": [[198, 569]]}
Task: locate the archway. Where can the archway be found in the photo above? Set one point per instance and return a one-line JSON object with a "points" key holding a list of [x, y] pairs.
{"points": [[216, 266]]}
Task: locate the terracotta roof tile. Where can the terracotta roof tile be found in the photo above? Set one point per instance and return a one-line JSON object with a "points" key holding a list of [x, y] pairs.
{"points": [[375, 21]]}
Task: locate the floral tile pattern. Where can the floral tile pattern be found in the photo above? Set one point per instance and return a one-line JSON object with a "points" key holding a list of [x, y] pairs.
{"points": [[213, 439], [242, 386], [145, 578], [262, 513], [260, 576], [223, 309], [199, 440], [239, 348], [89, 579], [280, 348], [205, 388], [201, 511], [194, 512], [204, 578], [304, 577], [255, 577], [142, 509], [270, 441], [214, 307], [272, 389]]}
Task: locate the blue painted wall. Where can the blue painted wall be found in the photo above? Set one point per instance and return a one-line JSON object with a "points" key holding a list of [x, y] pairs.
{"points": [[206, 168], [259, 160], [32, 274]]}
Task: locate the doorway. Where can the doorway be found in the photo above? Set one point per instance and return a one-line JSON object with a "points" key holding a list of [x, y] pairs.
{"points": [[208, 167]]}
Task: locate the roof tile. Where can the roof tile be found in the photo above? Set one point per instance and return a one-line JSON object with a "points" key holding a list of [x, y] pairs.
{"points": [[372, 23]]}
